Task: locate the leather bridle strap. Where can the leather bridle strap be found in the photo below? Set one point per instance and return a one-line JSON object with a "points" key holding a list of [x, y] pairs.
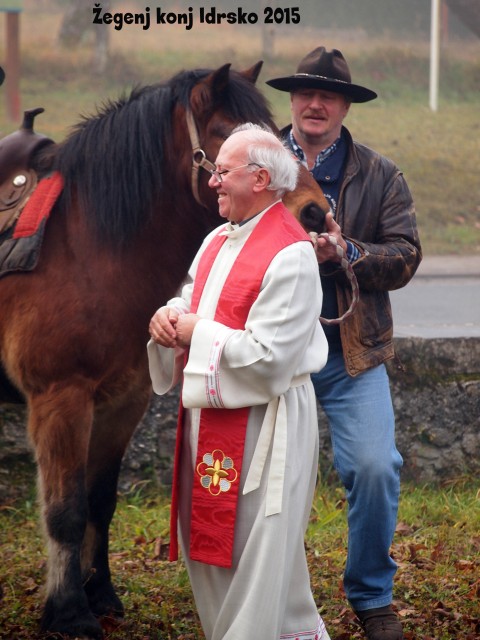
{"points": [[199, 157]]}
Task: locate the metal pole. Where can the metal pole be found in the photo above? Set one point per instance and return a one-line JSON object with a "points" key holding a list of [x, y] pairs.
{"points": [[434, 53]]}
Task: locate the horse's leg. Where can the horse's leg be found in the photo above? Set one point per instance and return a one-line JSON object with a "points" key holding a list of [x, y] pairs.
{"points": [[60, 424], [113, 428]]}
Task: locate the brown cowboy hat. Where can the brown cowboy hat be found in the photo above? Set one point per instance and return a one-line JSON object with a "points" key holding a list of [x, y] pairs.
{"points": [[2, 75], [322, 69]]}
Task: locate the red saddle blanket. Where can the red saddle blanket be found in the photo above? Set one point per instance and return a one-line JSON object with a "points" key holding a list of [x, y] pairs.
{"points": [[20, 248], [38, 206]]}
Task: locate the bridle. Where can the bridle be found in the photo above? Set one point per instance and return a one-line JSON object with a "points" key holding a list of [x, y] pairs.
{"points": [[199, 159]]}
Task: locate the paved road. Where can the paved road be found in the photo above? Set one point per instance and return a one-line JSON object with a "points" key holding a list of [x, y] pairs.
{"points": [[441, 301]]}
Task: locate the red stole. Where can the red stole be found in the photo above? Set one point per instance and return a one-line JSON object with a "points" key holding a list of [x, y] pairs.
{"points": [[222, 431]]}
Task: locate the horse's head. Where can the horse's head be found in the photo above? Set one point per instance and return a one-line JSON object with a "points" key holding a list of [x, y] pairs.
{"points": [[307, 202], [218, 102]]}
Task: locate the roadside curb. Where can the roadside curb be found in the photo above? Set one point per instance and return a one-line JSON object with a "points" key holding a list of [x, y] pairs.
{"points": [[451, 266]]}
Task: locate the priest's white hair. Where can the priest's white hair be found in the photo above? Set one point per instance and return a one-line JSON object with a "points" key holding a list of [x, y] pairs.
{"points": [[266, 150]]}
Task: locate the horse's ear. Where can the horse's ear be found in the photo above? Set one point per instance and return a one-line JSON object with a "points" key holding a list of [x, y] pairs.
{"points": [[220, 80], [211, 87], [252, 74]]}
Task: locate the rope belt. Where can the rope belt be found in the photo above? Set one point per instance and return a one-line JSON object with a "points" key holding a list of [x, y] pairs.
{"points": [[274, 427]]}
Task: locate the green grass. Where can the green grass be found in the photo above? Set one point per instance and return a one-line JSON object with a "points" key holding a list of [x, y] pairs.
{"points": [[437, 549]]}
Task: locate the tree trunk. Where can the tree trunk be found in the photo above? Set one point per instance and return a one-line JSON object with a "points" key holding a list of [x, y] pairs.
{"points": [[268, 34], [77, 21]]}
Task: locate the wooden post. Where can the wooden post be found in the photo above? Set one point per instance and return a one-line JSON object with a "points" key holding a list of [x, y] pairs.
{"points": [[12, 65]]}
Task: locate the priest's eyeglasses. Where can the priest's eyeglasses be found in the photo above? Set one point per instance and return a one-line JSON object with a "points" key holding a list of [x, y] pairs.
{"points": [[218, 175]]}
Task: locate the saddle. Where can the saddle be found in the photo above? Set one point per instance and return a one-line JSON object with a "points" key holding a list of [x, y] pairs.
{"points": [[18, 176], [28, 190]]}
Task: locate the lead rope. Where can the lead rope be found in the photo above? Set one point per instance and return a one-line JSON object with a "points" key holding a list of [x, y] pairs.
{"points": [[347, 267]]}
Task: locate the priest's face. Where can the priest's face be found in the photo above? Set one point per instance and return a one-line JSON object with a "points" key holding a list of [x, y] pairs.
{"points": [[235, 180]]}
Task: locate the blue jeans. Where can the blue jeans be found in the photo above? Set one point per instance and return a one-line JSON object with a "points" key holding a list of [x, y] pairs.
{"points": [[362, 428]]}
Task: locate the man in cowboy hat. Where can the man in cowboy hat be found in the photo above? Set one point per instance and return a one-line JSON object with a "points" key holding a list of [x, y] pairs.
{"points": [[373, 219]]}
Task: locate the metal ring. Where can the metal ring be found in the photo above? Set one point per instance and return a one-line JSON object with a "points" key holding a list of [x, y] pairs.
{"points": [[199, 153]]}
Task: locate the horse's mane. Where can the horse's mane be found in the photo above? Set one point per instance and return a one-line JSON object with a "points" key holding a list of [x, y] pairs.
{"points": [[114, 159]]}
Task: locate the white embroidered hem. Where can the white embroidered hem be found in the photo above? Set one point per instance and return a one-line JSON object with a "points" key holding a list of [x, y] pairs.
{"points": [[320, 633]]}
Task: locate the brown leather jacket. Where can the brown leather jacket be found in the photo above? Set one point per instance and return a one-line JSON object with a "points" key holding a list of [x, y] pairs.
{"points": [[376, 212]]}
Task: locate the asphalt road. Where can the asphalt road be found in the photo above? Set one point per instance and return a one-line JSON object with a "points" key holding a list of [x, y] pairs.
{"points": [[441, 301]]}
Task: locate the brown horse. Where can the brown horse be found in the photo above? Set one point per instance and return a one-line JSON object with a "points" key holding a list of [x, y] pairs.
{"points": [[73, 332]]}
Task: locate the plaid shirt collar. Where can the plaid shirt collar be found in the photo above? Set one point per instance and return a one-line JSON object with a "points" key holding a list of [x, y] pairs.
{"points": [[322, 156]]}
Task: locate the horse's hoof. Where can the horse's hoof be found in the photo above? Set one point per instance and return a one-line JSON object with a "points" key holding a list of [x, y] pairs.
{"points": [[84, 627], [104, 602], [71, 634]]}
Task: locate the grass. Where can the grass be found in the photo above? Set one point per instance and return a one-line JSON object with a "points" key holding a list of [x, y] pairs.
{"points": [[438, 152], [437, 549]]}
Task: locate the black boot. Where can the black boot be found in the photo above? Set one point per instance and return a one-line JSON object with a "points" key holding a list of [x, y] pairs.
{"points": [[380, 624]]}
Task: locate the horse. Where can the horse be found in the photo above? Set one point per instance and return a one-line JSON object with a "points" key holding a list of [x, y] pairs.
{"points": [[118, 242]]}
